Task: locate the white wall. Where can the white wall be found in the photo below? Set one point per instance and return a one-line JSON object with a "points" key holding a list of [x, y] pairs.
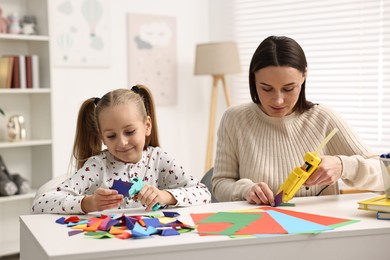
{"points": [[183, 127]]}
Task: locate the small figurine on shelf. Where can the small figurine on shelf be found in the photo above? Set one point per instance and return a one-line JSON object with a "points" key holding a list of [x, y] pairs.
{"points": [[16, 128], [14, 26], [3, 22], [29, 25]]}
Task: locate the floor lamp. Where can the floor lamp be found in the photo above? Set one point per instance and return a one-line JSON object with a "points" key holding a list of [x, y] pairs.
{"points": [[216, 59]]}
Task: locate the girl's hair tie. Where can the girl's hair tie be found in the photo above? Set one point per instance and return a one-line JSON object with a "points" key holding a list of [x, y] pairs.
{"points": [[135, 89], [96, 100]]}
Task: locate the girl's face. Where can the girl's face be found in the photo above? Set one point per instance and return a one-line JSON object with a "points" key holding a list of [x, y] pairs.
{"points": [[278, 89], [123, 132]]}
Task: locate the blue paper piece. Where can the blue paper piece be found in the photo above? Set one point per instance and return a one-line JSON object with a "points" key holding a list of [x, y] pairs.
{"points": [[169, 232], [170, 214], [153, 222], [296, 225], [122, 187], [139, 231], [151, 230], [61, 221], [72, 224]]}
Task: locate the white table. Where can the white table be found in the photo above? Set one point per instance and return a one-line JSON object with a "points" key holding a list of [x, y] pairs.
{"points": [[42, 238]]}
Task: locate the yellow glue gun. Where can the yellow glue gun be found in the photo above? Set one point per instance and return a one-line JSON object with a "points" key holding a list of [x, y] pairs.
{"points": [[301, 173], [298, 176]]}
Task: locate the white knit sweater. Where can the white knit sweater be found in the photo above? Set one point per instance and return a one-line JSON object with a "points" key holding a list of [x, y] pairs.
{"points": [[253, 147]]}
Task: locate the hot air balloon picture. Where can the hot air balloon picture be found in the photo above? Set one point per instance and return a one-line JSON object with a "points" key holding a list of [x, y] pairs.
{"points": [[81, 31]]}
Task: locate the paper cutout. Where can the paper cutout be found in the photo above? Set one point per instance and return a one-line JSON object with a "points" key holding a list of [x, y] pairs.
{"points": [[296, 225], [74, 232], [122, 187], [124, 235], [61, 220], [257, 222], [99, 234], [169, 232], [273, 221], [323, 220], [235, 220], [154, 222], [125, 227], [171, 214]]}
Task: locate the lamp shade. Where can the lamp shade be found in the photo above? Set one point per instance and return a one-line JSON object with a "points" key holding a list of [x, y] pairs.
{"points": [[217, 58]]}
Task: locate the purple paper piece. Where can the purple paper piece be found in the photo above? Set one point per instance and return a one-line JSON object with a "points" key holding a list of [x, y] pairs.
{"points": [[278, 199], [111, 223], [61, 220], [170, 214], [74, 232], [122, 187], [104, 223], [129, 223]]}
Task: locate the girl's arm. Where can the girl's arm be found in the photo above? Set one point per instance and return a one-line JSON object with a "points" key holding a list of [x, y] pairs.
{"points": [[66, 198], [185, 189]]}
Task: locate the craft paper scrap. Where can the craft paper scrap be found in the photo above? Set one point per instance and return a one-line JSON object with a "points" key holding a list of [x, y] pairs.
{"points": [[122, 187], [125, 227]]}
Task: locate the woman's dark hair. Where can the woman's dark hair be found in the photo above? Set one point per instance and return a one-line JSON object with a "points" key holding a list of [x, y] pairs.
{"points": [[279, 51]]}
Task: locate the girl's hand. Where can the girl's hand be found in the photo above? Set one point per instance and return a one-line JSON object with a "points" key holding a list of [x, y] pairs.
{"points": [[102, 199], [150, 196], [260, 194], [327, 173]]}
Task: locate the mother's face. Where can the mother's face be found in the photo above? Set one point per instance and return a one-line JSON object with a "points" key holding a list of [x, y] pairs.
{"points": [[278, 89]]}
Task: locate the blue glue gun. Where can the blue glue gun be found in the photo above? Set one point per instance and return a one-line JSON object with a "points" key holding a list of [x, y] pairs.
{"points": [[137, 187]]}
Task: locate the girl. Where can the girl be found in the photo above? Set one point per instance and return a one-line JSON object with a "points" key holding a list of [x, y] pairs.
{"points": [[124, 121]]}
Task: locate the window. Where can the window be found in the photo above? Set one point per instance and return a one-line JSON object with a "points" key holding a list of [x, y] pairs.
{"points": [[347, 45]]}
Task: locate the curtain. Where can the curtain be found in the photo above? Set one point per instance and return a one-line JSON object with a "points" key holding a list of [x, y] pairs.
{"points": [[347, 46]]}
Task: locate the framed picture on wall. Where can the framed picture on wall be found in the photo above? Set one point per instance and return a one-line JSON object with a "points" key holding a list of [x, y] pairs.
{"points": [[152, 55], [81, 33]]}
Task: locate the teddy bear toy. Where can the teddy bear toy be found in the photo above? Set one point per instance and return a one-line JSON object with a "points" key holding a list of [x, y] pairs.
{"points": [[11, 184]]}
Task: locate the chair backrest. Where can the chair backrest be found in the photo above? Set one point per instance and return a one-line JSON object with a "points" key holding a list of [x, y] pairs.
{"points": [[51, 184], [206, 180]]}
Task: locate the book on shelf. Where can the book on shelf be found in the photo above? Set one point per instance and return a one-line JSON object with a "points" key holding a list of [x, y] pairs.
{"points": [[6, 69], [19, 71], [379, 203], [35, 71]]}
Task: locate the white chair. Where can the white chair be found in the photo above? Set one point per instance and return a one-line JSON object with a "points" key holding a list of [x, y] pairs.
{"points": [[51, 184]]}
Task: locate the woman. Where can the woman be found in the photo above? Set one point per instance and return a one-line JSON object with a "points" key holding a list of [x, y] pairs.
{"points": [[260, 143]]}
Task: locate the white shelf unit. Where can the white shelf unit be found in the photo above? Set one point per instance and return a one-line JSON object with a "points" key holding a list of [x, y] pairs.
{"points": [[31, 158]]}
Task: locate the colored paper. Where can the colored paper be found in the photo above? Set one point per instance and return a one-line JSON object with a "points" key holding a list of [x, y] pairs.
{"points": [[297, 225], [234, 220], [323, 220], [122, 187]]}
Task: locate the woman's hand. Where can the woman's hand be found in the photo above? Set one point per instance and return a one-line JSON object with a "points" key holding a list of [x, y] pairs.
{"points": [[327, 173], [260, 194], [102, 199], [150, 196]]}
